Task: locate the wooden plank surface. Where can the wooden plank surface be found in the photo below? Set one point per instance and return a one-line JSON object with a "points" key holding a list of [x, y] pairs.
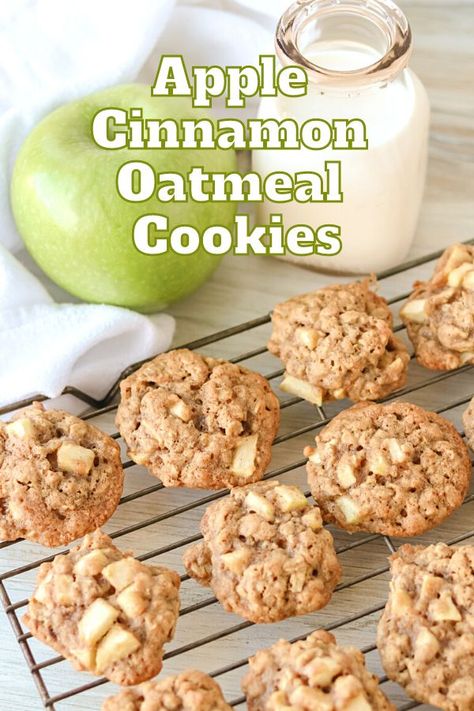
{"points": [[244, 288]]}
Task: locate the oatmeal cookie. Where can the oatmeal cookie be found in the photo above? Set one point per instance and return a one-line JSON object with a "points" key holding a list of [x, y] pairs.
{"points": [[105, 611], [60, 477], [197, 421], [439, 315], [313, 674], [338, 342], [189, 691], [393, 469], [265, 553], [468, 422], [426, 633]]}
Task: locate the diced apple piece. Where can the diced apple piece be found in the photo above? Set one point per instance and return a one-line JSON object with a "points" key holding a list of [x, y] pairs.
{"points": [[96, 621], [41, 594], [456, 276], [236, 561], [302, 389], [313, 519], [260, 505], [396, 366], [467, 356], [444, 610], [64, 589], [139, 458], [312, 454], [308, 337], [401, 601], [243, 462], [305, 697], [468, 280], [117, 644], [132, 602], [414, 310], [426, 645], [285, 680], [181, 410], [430, 587], [277, 702], [23, 428], [290, 498], [297, 581], [86, 657], [396, 452], [378, 464], [339, 393], [75, 459], [358, 703], [92, 563], [16, 509], [345, 474], [322, 670], [456, 257], [349, 508], [121, 573]]}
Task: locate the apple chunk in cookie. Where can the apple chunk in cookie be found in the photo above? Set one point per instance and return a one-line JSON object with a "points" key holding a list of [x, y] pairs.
{"points": [[265, 553], [439, 315], [60, 477], [198, 422], [106, 612], [393, 469], [337, 342]]}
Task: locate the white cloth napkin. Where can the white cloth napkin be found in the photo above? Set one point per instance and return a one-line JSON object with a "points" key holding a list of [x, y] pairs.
{"points": [[51, 52], [44, 346]]}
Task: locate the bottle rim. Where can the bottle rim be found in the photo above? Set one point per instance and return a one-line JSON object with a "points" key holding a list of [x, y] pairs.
{"points": [[384, 14]]}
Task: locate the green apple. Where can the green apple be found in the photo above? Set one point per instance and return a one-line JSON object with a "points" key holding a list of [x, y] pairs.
{"points": [[80, 230]]}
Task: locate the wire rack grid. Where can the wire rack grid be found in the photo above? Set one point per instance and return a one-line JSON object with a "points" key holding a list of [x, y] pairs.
{"points": [[364, 555]]}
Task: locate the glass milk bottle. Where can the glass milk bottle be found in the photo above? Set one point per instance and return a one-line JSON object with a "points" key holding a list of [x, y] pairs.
{"points": [[356, 54]]}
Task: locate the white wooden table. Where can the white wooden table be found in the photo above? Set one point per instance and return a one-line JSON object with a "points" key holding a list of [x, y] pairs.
{"points": [[242, 289]]}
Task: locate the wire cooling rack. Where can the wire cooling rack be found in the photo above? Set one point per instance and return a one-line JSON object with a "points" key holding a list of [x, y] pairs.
{"points": [[207, 637]]}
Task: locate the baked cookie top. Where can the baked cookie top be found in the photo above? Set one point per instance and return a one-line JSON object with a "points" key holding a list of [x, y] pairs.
{"points": [[197, 421], [265, 553], [60, 477], [313, 674], [105, 611], [394, 469], [426, 633], [468, 422], [439, 315], [189, 691], [338, 342]]}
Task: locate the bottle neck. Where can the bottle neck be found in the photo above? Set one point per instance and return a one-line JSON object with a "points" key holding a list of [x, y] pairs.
{"points": [[347, 45]]}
